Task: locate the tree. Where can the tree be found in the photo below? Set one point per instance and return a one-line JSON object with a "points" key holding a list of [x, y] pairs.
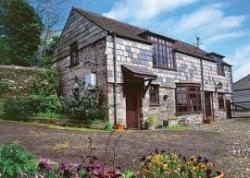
{"points": [[20, 31], [47, 55], [52, 13]]}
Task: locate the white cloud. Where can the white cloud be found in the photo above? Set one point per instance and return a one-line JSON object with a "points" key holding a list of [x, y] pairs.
{"points": [[211, 24], [143, 9], [241, 62], [225, 36]]}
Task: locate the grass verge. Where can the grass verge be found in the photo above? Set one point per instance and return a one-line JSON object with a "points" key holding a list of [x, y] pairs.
{"points": [[178, 127]]}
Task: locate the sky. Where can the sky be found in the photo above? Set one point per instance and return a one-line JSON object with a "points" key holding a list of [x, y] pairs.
{"points": [[222, 25]]}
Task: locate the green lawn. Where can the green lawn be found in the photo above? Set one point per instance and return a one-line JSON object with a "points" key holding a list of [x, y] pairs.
{"points": [[52, 115], [178, 127]]}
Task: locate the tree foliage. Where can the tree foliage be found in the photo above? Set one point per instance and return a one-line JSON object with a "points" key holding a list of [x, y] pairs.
{"points": [[47, 54], [20, 31]]}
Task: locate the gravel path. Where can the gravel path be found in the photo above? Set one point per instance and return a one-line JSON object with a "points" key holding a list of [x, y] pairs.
{"points": [[226, 143]]}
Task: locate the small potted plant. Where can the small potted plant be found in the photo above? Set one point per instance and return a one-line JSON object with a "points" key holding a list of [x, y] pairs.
{"points": [[151, 122], [120, 127], [172, 121]]}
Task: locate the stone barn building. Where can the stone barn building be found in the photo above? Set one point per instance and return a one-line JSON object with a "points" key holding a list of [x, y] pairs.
{"points": [[142, 73]]}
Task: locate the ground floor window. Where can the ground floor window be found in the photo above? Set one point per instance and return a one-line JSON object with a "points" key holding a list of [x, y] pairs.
{"points": [[154, 95], [188, 98], [221, 99]]}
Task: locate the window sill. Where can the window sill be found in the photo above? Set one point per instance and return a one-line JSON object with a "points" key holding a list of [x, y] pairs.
{"points": [[154, 105], [163, 68], [73, 65]]}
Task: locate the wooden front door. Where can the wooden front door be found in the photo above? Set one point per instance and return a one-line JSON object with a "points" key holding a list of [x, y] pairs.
{"points": [[133, 91], [208, 104]]}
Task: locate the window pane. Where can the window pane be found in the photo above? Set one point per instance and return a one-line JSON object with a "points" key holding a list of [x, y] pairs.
{"points": [[154, 94], [188, 99]]}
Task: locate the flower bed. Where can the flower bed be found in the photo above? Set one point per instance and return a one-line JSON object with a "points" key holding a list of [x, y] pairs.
{"points": [[16, 162], [172, 165]]}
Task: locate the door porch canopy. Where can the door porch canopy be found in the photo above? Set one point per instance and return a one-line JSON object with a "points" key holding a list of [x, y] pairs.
{"points": [[139, 72]]}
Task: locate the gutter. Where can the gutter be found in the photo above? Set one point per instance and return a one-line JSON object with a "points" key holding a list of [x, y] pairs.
{"points": [[115, 79], [202, 90]]}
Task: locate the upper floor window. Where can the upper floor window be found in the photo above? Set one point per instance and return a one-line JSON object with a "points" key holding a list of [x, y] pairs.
{"points": [[163, 56], [188, 98], [221, 100], [74, 54], [220, 68], [154, 95]]}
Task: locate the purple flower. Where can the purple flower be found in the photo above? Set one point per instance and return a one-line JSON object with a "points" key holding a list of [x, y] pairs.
{"points": [[45, 164], [63, 166], [208, 172], [199, 159], [184, 158], [206, 160]]}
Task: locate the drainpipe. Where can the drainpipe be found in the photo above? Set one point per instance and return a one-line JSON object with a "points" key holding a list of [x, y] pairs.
{"points": [[202, 90], [115, 79]]}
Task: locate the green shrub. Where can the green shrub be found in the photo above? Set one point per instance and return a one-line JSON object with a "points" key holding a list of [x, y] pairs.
{"points": [[16, 162], [17, 108], [48, 104], [45, 83], [3, 88], [1, 109], [25, 107], [87, 104], [108, 126]]}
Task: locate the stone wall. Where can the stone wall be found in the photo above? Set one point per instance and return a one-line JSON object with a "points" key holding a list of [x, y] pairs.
{"points": [[92, 48], [188, 71], [16, 79], [92, 59], [79, 29]]}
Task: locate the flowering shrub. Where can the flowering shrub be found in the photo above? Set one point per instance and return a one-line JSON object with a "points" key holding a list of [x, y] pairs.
{"points": [[172, 165], [91, 170]]}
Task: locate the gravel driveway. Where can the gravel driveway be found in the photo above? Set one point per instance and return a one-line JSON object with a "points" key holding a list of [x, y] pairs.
{"points": [[227, 143]]}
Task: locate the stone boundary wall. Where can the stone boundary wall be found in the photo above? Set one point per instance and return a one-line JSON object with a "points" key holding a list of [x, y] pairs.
{"points": [[15, 79]]}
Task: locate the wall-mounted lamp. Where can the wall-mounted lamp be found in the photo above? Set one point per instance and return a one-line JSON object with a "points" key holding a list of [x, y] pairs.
{"points": [[218, 86]]}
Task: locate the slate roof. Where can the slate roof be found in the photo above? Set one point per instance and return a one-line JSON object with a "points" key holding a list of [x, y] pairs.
{"points": [[114, 26], [136, 33], [242, 84]]}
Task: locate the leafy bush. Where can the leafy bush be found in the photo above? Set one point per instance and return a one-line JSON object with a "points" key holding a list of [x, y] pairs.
{"points": [[151, 121], [25, 107], [17, 108], [1, 108], [172, 165], [3, 88], [16, 162], [45, 83], [48, 104], [87, 103]]}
